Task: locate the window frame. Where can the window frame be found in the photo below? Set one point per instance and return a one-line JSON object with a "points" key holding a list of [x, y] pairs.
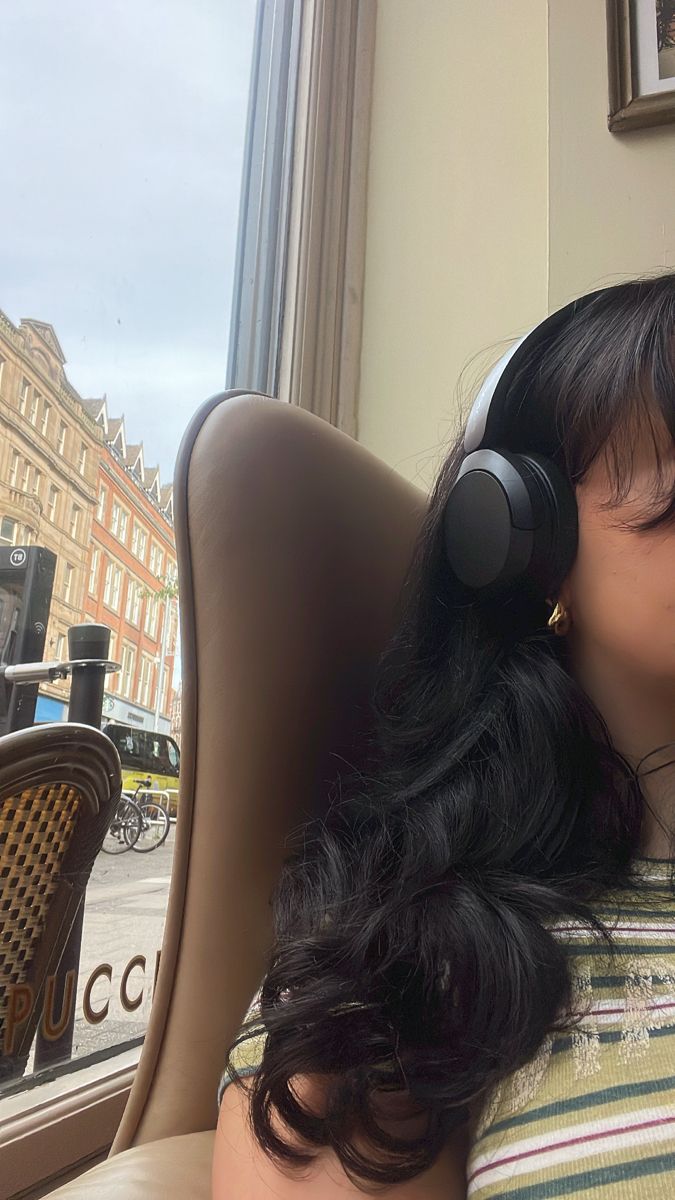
{"points": [[23, 395], [128, 657], [14, 468], [75, 518], [334, 63], [101, 503], [68, 576], [52, 503], [93, 570], [63, 434], [299, 275], [111, 595], [46, 413]]}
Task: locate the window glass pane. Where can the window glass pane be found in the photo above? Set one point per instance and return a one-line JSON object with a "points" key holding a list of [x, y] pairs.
{"points": [[119, 232]]}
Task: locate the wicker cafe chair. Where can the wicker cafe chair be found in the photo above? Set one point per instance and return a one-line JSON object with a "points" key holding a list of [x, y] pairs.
{"points": [[59, 785]]}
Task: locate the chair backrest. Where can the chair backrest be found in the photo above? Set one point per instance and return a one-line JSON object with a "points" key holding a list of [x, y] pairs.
{"points": [[293, 543], [58, 785]]}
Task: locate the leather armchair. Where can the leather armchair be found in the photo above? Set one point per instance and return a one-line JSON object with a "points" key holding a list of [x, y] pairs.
{"points": [[293, 544]]}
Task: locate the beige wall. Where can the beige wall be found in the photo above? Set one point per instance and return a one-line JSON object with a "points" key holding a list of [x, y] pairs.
{"points": [[495, 194], [456, 234]]}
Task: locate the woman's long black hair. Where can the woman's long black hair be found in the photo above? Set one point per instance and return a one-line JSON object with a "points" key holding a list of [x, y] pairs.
{"points": [[412, 950]]}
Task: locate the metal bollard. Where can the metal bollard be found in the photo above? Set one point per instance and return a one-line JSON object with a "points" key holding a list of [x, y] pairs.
{"points": [[88, 648]]}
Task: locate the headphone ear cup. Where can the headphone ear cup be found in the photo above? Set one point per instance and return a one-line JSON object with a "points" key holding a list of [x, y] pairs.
{"points": [[510, 519]]}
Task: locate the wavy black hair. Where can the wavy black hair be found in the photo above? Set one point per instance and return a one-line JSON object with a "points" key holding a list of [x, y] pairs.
{"points": [[413, 951]]}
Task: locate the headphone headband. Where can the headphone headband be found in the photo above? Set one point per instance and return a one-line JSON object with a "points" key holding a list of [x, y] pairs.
{"points": [[490, 418]]}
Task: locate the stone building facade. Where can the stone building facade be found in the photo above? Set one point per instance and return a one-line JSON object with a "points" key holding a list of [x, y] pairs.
{"points": [[50, 450], [69, 481]]}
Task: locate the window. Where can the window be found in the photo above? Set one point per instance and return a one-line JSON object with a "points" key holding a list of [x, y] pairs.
{"points": [[119, 521], [51, 503], [2, 368], [75, 515], [8, 529], [67, 581], [14, 468], [106, 350], [111, 589], [82, 460], [23, 396], [139, 541], [61, 647], [46, 411], [25, 478], [34, 405], [133, 608], [128, 669], [112, 680], [144, 680], [93, 570], [37, 482], [151, 614], [156, 560]]}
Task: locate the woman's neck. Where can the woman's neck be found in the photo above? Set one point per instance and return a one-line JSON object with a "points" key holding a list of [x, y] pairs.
{"points": [[640, 716]]}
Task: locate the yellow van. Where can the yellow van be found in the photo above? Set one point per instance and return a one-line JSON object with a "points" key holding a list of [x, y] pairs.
{"points": [[144, 754]]}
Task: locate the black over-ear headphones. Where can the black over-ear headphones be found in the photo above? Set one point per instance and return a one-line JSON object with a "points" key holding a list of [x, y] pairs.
{"points": [[511, 518]]}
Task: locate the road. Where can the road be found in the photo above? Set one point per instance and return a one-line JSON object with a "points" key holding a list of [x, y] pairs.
{"points": [[124, 917]]}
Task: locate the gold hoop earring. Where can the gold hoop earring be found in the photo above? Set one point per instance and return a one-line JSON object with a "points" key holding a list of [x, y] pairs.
{"points": [[559, 620]]}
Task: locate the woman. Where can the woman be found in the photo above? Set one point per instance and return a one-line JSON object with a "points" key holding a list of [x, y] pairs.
{"points": [[472, 986]]}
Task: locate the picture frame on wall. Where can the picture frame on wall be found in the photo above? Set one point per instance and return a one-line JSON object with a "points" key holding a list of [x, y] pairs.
{"points": [[641, 62]]}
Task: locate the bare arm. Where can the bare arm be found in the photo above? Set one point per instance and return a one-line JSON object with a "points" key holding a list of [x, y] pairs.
{"points": [[241, 1171]]}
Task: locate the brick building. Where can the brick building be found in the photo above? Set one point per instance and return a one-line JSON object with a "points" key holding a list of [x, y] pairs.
{"points": [[131, 570]]}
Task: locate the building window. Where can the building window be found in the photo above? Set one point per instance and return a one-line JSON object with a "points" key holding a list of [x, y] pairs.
{"points": [[119, 521], [128, 669], [82, 460], [23, 396], [25, 478], [51, 503], [61, 647], [144, 681], [67, 582], [156, 560], [133, 608], [8, 529], [34, 405], [93, 570], [14, 469], [100, 508], [46, 411], [111, 590], [151, 614], [37, 482], [139, 541], [2, 368], [63, 429], [75, 521], [112, 680]]}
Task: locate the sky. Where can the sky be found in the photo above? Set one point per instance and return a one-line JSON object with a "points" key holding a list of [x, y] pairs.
{"points": [[122, 127]]}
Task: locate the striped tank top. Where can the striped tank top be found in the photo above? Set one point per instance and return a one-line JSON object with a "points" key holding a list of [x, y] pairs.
{"points": [[592, 1115]]}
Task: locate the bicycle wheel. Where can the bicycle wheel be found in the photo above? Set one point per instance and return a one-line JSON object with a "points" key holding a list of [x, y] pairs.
{"points": [[124, 829], [155, 827]]}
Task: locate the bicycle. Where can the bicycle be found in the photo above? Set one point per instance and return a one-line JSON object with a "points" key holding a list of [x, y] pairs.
{"points": [[155, 823], [125, 828]]}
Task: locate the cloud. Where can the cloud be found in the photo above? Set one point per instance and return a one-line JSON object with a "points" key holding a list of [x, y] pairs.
{"points": [[124, 126]]}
